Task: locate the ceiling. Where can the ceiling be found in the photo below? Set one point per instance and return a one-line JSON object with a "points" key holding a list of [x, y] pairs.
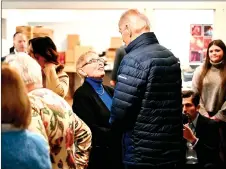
{"points": [[111, 4], [68, 4]]}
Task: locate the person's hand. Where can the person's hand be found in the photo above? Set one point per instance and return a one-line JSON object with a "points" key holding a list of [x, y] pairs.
{"points": [[112, 82], [48, 67], [215, 118], [188, 134]]}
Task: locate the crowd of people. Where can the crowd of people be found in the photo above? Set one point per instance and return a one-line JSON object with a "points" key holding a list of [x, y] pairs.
{"points": [[145, 121]]}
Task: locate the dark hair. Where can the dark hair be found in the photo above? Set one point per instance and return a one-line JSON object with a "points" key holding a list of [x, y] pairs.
{"points": [[14, 35], [207, 65], [45, 47], [194, 96]]}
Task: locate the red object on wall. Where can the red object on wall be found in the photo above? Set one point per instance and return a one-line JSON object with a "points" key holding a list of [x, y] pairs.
{"points": [[200, 37]]}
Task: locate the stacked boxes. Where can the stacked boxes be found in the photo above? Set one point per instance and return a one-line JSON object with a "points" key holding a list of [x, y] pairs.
{"points": [[74, 50], [36, 31], [116, 42], [26, 30], [39, 31]]}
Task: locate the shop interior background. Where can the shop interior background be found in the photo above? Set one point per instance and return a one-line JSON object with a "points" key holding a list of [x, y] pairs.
{"points": [[97, 22]]}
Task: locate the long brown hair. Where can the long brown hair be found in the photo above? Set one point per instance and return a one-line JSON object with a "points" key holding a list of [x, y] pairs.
{"points": [[45, 47], [16, 108], [207, 65]]}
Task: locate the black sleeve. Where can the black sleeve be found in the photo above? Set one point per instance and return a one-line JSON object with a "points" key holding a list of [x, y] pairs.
{"points": [[118, 58], [209, 145]]}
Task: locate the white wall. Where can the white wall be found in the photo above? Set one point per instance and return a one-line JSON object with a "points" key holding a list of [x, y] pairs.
{"points": [[13, 19], [172, 28], [95, 31]]}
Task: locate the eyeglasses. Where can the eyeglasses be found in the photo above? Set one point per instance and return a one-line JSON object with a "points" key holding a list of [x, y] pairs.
{"points": [[99, 60]]}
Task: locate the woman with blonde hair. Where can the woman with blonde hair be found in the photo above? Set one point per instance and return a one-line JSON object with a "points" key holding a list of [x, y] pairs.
{"points": [[21, 148], [92, 103]]}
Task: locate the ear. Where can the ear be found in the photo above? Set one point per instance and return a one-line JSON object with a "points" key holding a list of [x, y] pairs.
{"points": [[129, 30], [81, 72]]}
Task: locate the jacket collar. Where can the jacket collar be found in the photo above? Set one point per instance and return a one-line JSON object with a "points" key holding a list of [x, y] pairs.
{"points": [[144, 39], [10, 127]]}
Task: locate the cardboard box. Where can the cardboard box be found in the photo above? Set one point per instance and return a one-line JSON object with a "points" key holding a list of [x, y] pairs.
{"points": [[69, 57], [33, 32], [40, 31], [110, 55], [79, 50], [116, 42], [35, 35], [72, 41], [72, 55], [24, 29]]}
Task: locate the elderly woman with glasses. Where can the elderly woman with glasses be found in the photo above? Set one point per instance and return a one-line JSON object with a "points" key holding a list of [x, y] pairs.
{"points": [[92, 103]]}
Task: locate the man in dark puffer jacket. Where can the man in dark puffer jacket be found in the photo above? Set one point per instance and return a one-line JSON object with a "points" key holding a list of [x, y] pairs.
{"points": [[147, 99]]}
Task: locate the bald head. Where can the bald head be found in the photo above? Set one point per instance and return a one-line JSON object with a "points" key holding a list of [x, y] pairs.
{"points": [[135, 19], [132, 24]]}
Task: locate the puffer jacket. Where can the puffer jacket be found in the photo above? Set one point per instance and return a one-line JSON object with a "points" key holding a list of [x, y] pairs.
{"points": [[147, 104]]}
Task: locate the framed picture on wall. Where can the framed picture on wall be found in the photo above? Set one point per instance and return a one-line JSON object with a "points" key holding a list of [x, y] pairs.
{"points": [[196, 30], [200, 37], [196, 43], [208, 30], [206, 42], [195, 56]]}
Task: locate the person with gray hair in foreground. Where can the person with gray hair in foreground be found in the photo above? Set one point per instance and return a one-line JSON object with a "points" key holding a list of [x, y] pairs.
{"points": [[147, 99], [68, 136]]}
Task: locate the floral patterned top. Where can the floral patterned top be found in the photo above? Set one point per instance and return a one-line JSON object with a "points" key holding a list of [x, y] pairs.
{"points": [[69, 137]]}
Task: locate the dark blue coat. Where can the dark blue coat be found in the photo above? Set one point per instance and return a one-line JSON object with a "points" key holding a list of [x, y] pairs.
{"points": [[147, 104]]}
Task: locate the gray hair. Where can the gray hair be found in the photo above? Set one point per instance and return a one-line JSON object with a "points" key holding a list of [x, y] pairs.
{"points": [[28, 68], [136, 19]]}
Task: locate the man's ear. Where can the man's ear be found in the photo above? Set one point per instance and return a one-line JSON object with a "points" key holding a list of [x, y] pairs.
{"points": [[81, 72], [129, 30]]}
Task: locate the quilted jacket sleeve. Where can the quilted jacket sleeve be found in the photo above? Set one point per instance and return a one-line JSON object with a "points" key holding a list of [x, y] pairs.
{"points": [[128, 92]]}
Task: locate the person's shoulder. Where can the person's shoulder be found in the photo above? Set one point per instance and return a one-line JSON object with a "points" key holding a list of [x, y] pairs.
{"points": [[122, 49], [209, 121], [199, 69], [62, 73], [46, 98], [83, 90], [40, 147], [3, 58], [36, 137]]}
